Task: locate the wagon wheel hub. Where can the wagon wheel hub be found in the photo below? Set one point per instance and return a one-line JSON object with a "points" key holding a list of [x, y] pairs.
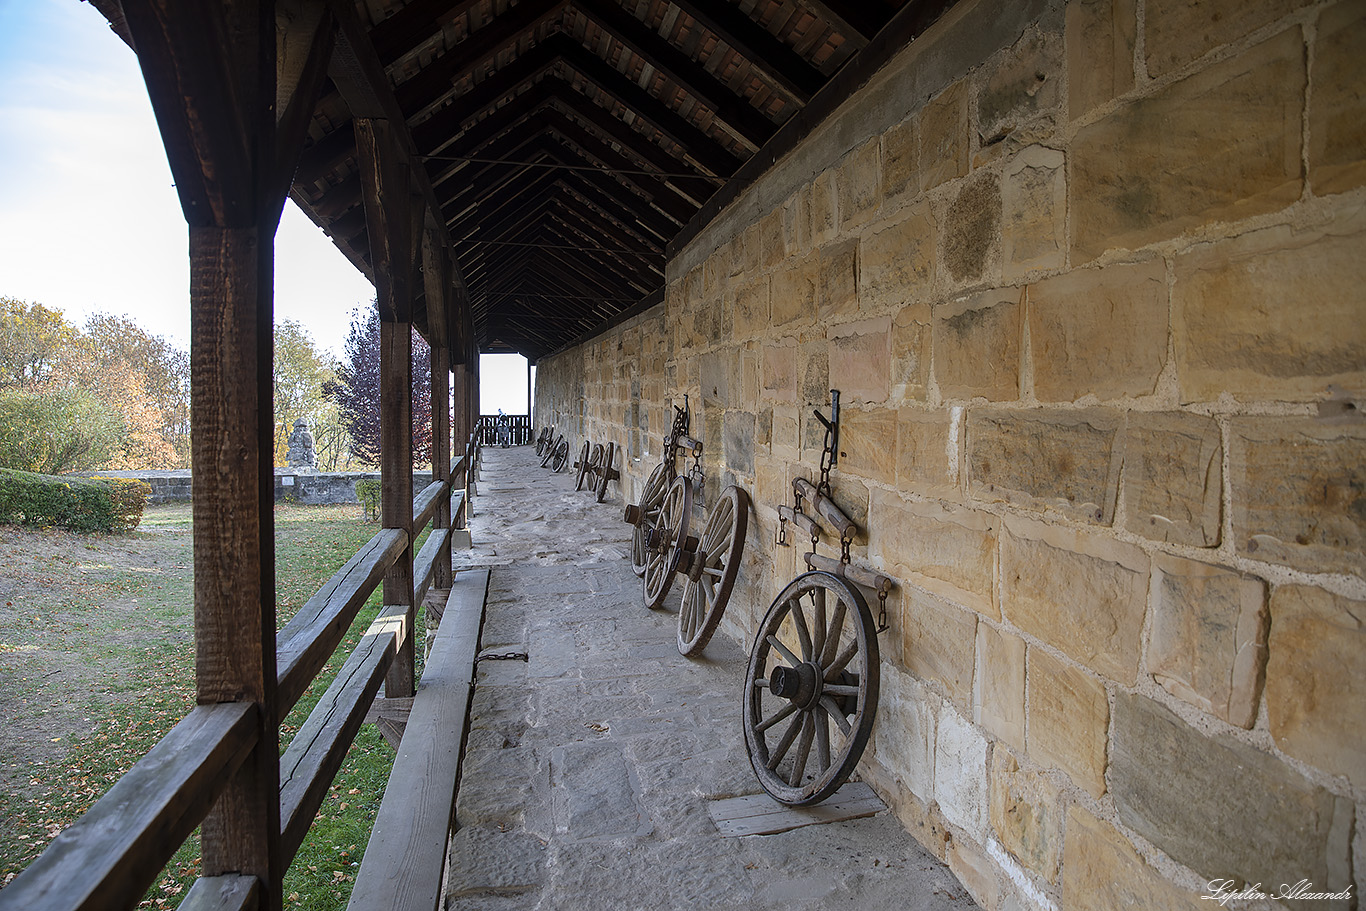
{"points": [[801, 684]]}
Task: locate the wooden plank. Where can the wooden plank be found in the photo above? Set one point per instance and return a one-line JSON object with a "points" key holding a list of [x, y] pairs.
{"points": [[865, 577], [426, 504], [760, 814], [405, 859], [309, 639], [424, 567], [317, 750], [228, 892], [109, 856], [398, 707], [396, 479]]}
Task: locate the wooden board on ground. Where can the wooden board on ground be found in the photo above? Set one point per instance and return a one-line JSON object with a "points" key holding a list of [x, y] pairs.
{"points": [[759, 814]]}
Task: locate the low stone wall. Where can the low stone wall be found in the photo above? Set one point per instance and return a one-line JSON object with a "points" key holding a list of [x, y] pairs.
{"points": [[312, 488]]}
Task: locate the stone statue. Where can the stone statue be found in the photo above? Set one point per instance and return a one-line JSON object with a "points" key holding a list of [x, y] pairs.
{"points": [[301, 453]]}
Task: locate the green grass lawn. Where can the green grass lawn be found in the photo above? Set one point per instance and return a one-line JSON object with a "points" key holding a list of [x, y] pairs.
{"points": [[97, 664]]}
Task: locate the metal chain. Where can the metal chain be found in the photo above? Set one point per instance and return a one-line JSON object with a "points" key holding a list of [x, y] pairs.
{"points": [[844, 549], [503, 656], [882, 625], [827, 460]]}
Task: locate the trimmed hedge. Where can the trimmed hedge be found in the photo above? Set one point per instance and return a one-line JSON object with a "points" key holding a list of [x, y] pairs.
{"points": [[367, 492], [77, 504]]}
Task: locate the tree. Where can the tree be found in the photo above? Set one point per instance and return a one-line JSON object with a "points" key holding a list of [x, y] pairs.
{"points": [[301, 374], [356, 390], [31, 336], [120, 346], [52, 430]]}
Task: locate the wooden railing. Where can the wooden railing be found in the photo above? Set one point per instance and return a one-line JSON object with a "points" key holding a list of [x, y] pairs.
{"points": [[110, 856], [519, 429]]}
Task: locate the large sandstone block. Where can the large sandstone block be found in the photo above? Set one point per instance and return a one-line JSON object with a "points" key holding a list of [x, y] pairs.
{"points": [[971, 241], [868, 443], [1025, 83], [718, 375], [1026, 814], [911, 334], [976, 343], [1069, 717], [794, 290], [901, 159], [960, 774], [859, 183], [813, 360], [1100, 37], [838, 294], [738, 436], [927, 451], [896, 261], [780, 372], [860, 356], [1223, 808], [1221, 144], [1178, 31], [1337, 105], [904, 732], [1173, 477], [1034, 206], [944, 141], [797, 222], [1207, 645], [999, 694], [772, 244], [1299, 493], [1316, 679], [1120, 310], [1103, 872], [1274, 313], [825, 220], [749, 306], [1065, 462], [939, 643], [951, 552], [1084, 595]]}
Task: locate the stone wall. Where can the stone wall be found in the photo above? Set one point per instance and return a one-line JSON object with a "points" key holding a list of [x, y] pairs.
{"points": [[1089, 276]]}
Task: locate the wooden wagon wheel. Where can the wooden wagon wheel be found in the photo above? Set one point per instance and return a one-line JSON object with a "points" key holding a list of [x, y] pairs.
{"points": [[648, 514], [582, 466], [667, 541], [550, 453], [814, 662], [606, 473], [560, 455], [711, 570]]}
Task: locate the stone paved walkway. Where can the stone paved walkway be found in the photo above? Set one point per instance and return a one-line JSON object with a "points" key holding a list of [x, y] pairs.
{"points": [[590, 766]]}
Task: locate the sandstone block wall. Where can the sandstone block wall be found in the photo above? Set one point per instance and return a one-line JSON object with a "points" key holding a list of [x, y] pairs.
{"points": [[1091, 278]]}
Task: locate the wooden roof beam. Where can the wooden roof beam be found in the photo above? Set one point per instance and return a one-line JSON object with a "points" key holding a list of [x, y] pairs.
{"points": [[738, 116], [781, 66]]}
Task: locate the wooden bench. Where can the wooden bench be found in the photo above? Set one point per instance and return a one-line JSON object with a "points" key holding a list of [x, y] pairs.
{"points": [[406, 857]]}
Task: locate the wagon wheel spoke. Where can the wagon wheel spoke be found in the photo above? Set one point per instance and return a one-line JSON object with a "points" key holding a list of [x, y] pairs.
{"points": [[803, 749], [834, 712], [832, 635], [785, 743], [822, 737], [803, 634], [793, 660], [833, 669], [818, 620], [777, 716]]}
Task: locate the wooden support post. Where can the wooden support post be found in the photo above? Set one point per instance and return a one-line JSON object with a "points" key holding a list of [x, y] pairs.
{"points": [[441, 453], [390, 221]]}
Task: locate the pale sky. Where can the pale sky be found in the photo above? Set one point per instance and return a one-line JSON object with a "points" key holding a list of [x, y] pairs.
{"points": [[89, 218]]}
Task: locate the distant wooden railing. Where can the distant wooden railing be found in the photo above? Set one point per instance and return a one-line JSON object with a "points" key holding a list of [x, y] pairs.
{"points": [[110, 856], [519, 429]]}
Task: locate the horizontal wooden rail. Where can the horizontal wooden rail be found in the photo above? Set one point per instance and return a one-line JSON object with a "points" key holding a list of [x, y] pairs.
{"points": [[317, 750], [230, 892], [308, 641], [426, 503], [424, 567], [405, 859], [108, 857]]}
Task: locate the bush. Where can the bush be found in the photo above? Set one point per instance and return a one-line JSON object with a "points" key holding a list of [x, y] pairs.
{"points": [[77, 504], [367, 492]]}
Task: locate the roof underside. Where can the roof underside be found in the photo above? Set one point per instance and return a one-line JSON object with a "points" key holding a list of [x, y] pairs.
{"points": [[568, 142]]}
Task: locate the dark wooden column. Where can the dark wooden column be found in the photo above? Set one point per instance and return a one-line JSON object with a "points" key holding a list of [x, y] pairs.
{"points": [[436, 274], [389, 218], [231, 104]]}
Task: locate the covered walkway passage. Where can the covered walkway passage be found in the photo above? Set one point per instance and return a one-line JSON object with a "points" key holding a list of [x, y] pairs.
{"points": [[591, 767]]}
